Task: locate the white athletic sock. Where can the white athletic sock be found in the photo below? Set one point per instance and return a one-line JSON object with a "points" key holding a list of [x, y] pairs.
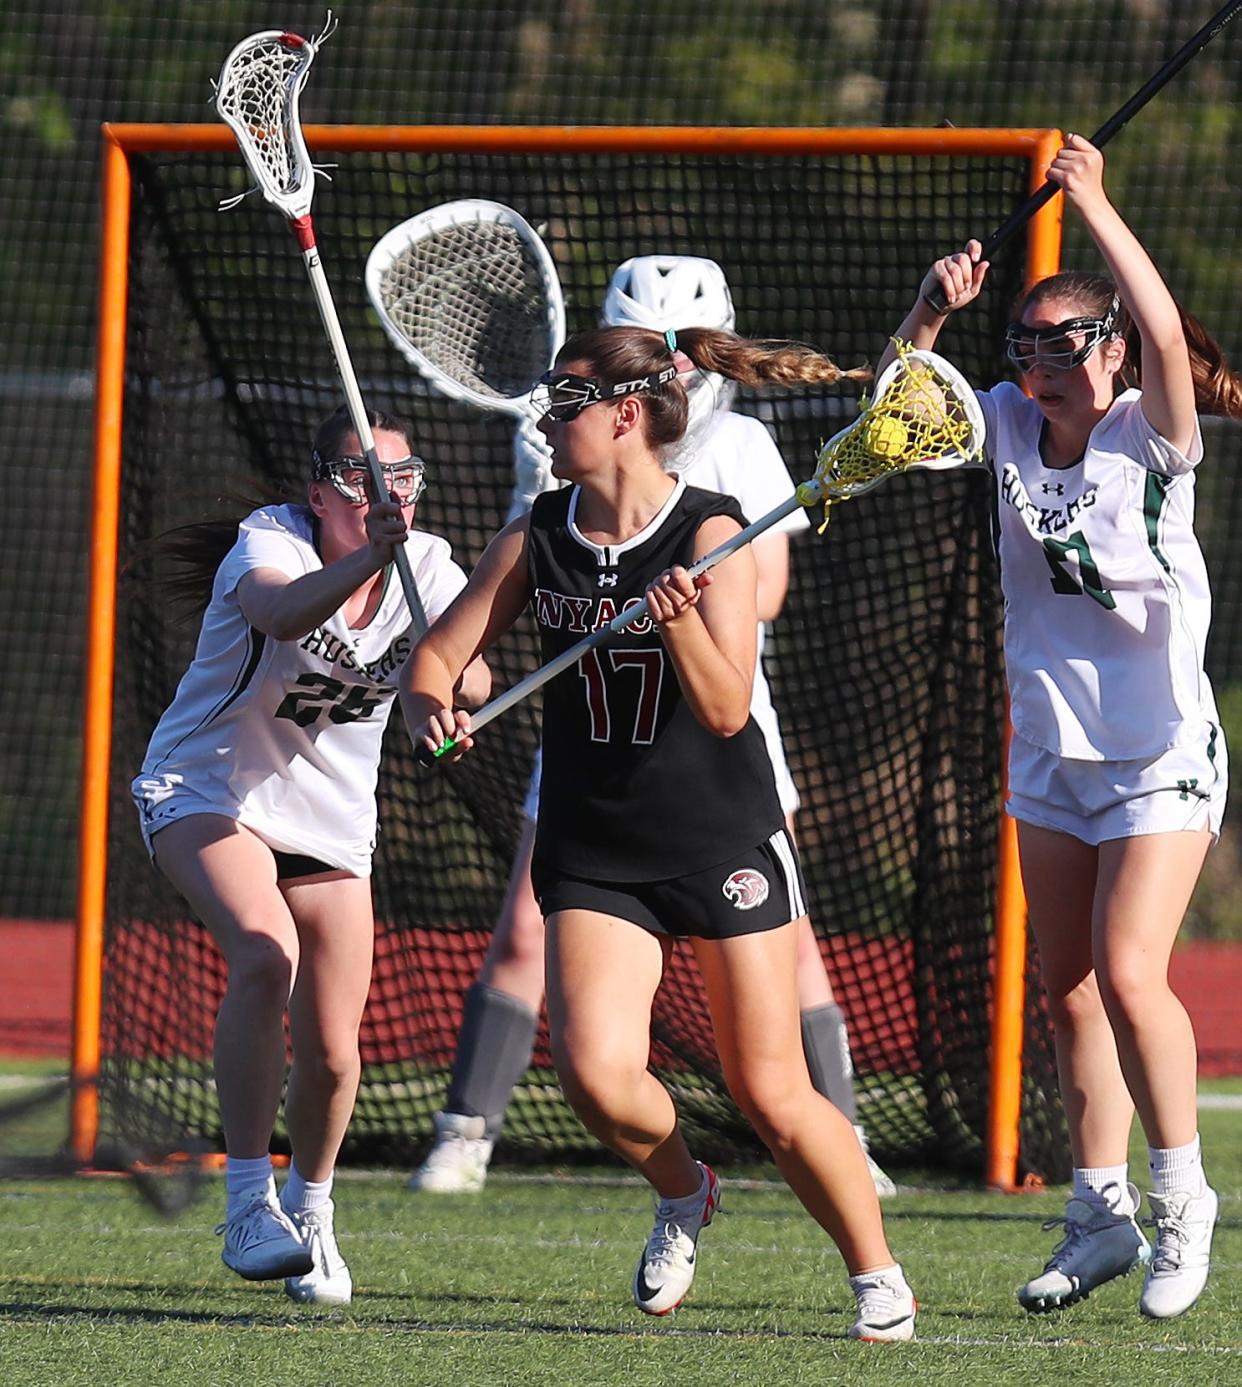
{"points": [[243, 1179], [893, 1272], [1177, 1169], [1092, 1182], [300, 1196]]}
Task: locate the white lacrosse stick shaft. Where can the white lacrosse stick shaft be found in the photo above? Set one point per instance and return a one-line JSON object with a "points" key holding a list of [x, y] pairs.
{"points": [[806, 495], [257, 97], [353, 399], [820, 487]]}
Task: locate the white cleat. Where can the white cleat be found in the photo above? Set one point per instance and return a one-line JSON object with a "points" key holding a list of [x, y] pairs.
{"points": [[884, 1186], [328, 1282], [457, 1163], [1178, 1270], [261, 1244], [666, 1268], [1099, 1244], [886, 1307]]}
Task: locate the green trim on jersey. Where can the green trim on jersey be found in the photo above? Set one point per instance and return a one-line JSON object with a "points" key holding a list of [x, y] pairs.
{"points": [[1155, 493]]}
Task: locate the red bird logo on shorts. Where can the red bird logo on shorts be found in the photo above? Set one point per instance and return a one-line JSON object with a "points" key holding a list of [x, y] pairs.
{"points": [[745, 889]]}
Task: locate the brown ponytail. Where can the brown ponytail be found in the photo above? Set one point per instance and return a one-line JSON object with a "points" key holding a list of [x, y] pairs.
{"points": [[628, 353]]}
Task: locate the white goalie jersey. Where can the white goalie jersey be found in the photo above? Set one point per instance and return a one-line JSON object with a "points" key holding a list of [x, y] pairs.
{"points": [[1105, 582], [285, 736]]}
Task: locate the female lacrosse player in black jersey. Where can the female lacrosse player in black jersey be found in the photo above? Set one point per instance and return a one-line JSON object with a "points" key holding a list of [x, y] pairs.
{"points": [[658, 814]]}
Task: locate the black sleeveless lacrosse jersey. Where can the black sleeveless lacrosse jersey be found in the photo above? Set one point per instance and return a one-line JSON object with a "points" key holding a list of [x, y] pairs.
{"points": [[634, 787]]}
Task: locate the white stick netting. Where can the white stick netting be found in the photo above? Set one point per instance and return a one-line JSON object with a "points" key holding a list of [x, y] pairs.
{"points": [[471, 298], [257, 95]]}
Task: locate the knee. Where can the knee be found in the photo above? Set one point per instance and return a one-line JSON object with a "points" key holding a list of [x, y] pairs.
{"points": [[329, 1063], [596, 1085], [1129, 990], [775, 1106], [1076, 1004], [523, 941], [260, 967]]}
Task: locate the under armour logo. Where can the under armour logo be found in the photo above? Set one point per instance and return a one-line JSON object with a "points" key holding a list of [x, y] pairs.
{"points": [[1187, 787], [607, 580], [1048, 487]]}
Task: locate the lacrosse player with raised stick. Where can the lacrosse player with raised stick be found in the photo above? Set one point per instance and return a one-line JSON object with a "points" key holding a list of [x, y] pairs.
{"points": [[257, 801], [658, 813], [1117, 767], [721, 451]]}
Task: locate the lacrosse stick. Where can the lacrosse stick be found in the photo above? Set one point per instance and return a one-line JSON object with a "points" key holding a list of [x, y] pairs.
{"points": [[1165, 74], [257, 97], [469, 294], [923, 414]]}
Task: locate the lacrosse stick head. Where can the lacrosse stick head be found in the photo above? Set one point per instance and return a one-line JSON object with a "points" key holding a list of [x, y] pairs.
{"points": [[924, 413], [469, 294], [257, 97]]}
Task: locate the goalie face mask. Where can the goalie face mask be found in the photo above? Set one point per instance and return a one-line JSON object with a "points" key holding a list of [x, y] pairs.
{"points": [[1062, 346], [561, 395]]}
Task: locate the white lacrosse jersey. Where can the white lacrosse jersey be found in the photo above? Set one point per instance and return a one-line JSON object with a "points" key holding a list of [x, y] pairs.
{"points": [[285, 735], [1107, 603]]}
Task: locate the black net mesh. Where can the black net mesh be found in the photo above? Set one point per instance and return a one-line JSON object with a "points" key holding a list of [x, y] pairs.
{"points": [[885, 664]]}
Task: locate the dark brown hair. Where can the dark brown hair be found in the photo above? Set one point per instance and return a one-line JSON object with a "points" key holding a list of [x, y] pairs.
{"points": [[628, 353], [1218, 389], [188, 556]]}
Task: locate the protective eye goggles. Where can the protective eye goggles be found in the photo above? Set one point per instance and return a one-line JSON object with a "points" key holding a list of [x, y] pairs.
{"points": [[349, 476], [562, 396], [1062, 346]]}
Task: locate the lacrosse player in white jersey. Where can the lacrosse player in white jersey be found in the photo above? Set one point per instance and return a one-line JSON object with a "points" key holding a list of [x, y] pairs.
{"points": [[1117, 768], [721, 451], [257, 802]]}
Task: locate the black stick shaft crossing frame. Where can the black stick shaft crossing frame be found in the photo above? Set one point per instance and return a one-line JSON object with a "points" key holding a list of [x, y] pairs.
{"points": [[1190, 49]]}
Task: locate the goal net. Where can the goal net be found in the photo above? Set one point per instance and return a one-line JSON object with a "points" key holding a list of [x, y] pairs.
{"points": [[885, 664]]}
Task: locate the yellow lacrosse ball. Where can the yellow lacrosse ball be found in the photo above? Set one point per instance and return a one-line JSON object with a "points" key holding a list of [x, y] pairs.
{"points": [[885, 436]]}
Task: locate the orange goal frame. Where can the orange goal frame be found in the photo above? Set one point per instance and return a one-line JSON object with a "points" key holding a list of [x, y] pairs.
{"points": [[120, 141]]}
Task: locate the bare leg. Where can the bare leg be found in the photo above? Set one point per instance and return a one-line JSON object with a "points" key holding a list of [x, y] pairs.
{"points": [[1143, 890], [228, 877], [514, 960], [336, 929], [602, 979], [752, 991], [1059, 874]]}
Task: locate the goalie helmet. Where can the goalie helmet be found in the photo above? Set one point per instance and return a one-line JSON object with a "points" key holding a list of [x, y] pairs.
{"points": [[668, 291], [675, 291]]}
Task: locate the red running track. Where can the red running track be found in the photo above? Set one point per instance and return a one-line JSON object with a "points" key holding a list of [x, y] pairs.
{"points": [[36, 970]]}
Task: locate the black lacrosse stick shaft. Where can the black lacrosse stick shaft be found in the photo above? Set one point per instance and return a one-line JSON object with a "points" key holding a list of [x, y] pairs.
{"points": [[1111, 126]]}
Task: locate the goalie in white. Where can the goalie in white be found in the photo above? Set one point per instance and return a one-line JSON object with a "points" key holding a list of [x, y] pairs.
{"points": [[722, 451]]}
